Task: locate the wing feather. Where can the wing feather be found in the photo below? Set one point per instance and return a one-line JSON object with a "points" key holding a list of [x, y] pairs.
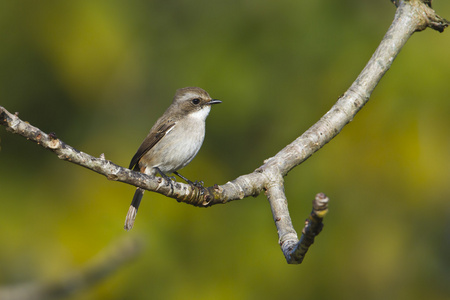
{"points": [[150, 141]]}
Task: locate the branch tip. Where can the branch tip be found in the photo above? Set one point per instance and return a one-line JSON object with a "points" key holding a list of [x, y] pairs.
{"points": [[320, 205], [313, 226]]}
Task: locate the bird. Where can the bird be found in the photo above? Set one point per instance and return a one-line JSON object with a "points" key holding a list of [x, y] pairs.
{"points": [[173, 141]]}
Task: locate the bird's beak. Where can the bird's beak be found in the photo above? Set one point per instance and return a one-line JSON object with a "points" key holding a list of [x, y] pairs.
{"points": [[214, 101]]}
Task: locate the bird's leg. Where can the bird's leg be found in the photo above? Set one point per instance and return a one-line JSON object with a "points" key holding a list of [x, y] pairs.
{"points": [[198, 184], [169, 180], [184, 178]]}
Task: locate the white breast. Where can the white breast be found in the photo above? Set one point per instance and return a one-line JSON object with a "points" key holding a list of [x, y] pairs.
{"points": [[180, 144]]}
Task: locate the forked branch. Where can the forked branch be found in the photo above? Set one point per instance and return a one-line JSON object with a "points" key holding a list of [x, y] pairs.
{"points": [[411, 16]]}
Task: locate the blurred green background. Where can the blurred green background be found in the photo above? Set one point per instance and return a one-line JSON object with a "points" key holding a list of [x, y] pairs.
{"points": [[99, 73]]}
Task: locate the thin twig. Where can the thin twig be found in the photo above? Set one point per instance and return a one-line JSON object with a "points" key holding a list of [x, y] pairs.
{"points": [[313, 226]]}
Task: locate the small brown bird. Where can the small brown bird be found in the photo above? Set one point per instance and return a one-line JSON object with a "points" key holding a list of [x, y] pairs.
{"points": [[173, 141]]}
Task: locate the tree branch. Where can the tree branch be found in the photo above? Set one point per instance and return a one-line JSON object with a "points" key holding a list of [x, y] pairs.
{"points": [[430, 18], [411, 16], [103, 265]]}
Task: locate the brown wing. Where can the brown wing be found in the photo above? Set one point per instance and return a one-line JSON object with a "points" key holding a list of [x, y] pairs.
{"points": [[152, 138]]}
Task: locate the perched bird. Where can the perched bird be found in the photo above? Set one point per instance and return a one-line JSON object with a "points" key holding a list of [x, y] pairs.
{"points": [[173, 141]]}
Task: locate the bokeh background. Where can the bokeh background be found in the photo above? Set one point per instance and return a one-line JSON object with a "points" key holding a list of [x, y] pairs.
{"points": [[99, 73]]}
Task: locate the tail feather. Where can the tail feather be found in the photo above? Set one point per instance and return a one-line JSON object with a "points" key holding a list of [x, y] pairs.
{"points": [[132, 211]]}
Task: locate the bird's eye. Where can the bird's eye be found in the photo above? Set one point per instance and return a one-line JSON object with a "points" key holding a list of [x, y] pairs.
{"points": [[196, 101]]}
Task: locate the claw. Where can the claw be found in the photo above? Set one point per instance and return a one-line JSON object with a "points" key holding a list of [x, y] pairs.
{"points": [[198, 184]]}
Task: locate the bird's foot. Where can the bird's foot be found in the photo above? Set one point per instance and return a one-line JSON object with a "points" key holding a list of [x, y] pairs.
{"points": [[198, 184], [169, 180]]}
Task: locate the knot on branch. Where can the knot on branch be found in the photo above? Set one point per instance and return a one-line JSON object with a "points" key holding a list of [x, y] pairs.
{"points": [[53, 141], [3, 118], [201, 196], [436, 22], [397, 2], [423, 8]]}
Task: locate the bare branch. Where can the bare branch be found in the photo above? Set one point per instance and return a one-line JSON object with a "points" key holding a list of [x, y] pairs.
{"points": [[407, 21], [103, 265], [287, 237], [411, 16], [182, 192], [294, 250], [313, 226], [429, 16]]}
